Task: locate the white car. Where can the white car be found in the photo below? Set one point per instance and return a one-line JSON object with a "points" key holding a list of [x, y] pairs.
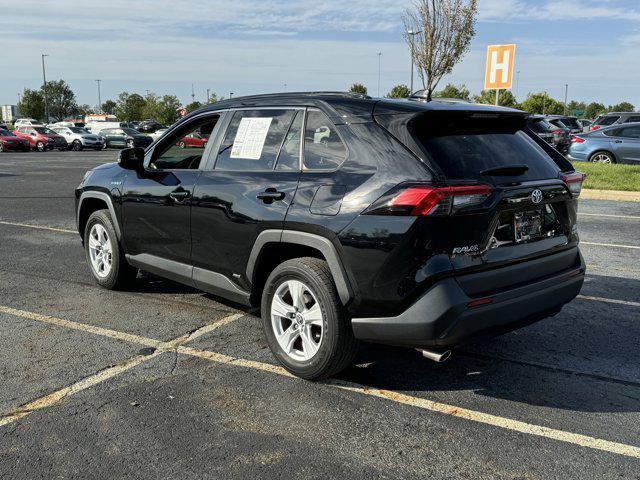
{"points": [[157, 134], [79, 138], [27, 122]]}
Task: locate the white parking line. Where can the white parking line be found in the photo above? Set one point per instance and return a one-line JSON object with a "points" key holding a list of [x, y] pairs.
{"points": [[610, 245], [422, 403], [609, 300], [630, 217], [39, 227]]}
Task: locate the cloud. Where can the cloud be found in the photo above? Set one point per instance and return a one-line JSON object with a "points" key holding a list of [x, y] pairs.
{"points": [[555, 10]]}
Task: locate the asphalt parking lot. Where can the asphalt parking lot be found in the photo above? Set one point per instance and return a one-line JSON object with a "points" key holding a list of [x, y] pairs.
{"points": [[167, 382]]}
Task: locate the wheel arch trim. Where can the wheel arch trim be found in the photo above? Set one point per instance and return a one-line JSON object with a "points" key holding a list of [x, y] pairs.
{"points": [[322, 244], [107, 199]]}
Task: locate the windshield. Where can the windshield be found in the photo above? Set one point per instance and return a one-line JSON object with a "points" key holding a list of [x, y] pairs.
{"points": [[81, 131], [6, 133], [43, 130]]}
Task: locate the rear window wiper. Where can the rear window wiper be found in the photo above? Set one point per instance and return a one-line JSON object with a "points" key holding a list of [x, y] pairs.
{"points": [[506, 171]]}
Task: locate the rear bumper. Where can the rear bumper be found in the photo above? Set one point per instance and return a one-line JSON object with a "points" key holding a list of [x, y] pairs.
{"points": [[442, 319]]}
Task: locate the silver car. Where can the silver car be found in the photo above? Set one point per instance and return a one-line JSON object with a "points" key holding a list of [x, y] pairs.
{"points": [[79, 138], [615, 144]]}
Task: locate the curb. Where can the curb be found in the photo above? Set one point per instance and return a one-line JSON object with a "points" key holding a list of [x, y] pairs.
{"points": [[615, 195]]}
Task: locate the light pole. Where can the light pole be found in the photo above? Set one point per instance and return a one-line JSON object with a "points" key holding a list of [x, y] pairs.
{"points": [[379, 71], [285, 87], [44, 88], [230, 94], [208, 97], [566, 93], [99, 99], [412, 34], [517, 83], [193, 94]]}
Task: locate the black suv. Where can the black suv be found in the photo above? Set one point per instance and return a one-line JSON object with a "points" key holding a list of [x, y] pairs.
{"points": [[411, 223]]}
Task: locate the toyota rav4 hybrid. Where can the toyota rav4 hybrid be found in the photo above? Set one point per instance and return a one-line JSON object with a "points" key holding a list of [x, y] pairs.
{"points": [[42, 138], [347, 219]]}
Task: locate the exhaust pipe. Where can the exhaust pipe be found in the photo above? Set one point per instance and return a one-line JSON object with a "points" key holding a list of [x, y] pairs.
{"points": [[436, 356]]}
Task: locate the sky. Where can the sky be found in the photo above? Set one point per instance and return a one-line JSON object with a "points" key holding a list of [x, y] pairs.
{"points": [[259, 46]]}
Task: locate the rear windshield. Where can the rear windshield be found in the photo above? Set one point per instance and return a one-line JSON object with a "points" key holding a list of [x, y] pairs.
{"points": [[540, 126], [570, 122], [608, 120], [464, 145]]}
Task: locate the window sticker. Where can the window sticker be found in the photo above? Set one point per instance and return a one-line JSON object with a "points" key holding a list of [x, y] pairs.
{"points": [[250, 138]]}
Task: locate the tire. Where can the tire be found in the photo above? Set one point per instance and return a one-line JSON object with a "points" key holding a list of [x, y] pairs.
{"points": [[602, 157], [76, 146], [105, 146], [130, 144], [120, 274], [40, 146], [1, 147], [182, 145], [334, 345]]}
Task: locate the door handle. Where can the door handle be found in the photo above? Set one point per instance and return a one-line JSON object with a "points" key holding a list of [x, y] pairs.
{"points": [[617, 141], [270, 195], [180, 195]]}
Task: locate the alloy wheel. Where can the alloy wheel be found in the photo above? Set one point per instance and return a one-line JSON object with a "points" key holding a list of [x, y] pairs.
{"points": [[601, 158], [100, 251], [296, 319]]}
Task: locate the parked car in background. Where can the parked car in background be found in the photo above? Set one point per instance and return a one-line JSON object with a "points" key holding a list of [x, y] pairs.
{"points": [[563, 121], [42, 138], [555, 136], [585, 123], [97, 127], [61, 124], [124, 138], [194, 139], [150, 126], [615, 118], [24, 122], [615, 144], [79, 138], [410, 223], [12, 142], [157, 134]]}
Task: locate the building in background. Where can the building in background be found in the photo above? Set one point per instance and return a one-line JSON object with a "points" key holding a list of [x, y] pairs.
{"points": [[9, 113]]}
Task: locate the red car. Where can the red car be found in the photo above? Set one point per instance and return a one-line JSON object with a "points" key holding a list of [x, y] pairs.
{"points": [[42, 138], [9, 141], [193, 140]]}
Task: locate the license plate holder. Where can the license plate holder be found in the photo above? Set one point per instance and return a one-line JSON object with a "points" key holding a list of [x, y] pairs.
{"points": [[527, 225]]}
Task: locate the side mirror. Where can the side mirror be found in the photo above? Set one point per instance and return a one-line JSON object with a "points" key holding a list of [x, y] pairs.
{"points": [[132, 158]]}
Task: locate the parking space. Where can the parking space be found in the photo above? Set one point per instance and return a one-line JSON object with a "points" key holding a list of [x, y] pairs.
{"points": [[164, 381]]}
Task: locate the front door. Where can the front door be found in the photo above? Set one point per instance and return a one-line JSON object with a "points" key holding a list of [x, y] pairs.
{"points": [[627, 144], [246, 189], [157, 202]]}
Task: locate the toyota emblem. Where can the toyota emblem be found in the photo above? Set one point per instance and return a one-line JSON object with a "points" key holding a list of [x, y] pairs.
{"points": [[536, 196]]}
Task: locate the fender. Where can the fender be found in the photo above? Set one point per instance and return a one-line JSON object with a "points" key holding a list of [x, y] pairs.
{"points": [[107, 199], [322, 244]]}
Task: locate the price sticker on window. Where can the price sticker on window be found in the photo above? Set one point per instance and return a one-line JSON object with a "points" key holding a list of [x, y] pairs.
{"points": [[250, 138]]}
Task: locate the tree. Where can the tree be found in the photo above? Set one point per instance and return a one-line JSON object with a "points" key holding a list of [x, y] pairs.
{"points": [[574, 106], [213, 98], [446, 28], [453, 91], [505, 98], [622, 107], [61, 100], [109, 107], [193, 106], [130, 107], [399, 91], [162, 109], [31, 104], [84, 110], [593, 110], [358, 88], [542, 103]]}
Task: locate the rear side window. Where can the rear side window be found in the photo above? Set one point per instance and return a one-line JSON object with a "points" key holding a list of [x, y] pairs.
{"points": [[323, 147], [629, 132], [253, 139], [463, 146], [635, 118]]}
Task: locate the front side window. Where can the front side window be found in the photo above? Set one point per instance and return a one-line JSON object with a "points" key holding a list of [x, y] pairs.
{"points": [[323, 148], [253, 140], [174, 154]]}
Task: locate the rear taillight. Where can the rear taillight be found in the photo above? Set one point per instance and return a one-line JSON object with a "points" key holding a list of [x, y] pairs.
{"points": [[425, 200], [577, 140], [594, 127], [573, 181], [557, 132]]}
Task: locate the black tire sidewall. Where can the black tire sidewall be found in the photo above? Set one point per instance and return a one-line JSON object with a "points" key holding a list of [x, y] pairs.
{"points": [[331, 314], [600, 152], [103, 217], [76, 146], [40, 147]]}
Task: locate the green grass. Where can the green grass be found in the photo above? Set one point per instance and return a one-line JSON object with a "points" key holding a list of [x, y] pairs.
{"points": [[610, 177]]}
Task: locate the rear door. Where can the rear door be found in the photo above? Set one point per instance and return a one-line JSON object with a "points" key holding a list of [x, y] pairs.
{"points": [[246, 188], [529, 213]]}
